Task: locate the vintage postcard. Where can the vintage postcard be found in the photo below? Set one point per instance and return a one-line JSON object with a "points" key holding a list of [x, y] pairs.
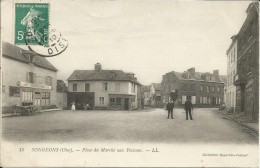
{"points": [[129, 83]]}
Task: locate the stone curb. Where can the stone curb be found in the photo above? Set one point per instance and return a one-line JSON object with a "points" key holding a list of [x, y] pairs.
{"points": [[241, 124]]}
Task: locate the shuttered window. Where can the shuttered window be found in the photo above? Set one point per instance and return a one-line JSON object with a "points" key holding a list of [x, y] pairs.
{"points": [[75, 87], [193, 99], [30, 77], [48, 80], [87, 87]]}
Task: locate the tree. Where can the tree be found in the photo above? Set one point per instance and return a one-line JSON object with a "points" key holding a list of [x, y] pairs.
{"points": [[61, 86]]}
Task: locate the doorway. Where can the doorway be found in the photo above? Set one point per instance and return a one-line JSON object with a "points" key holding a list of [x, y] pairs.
{"points": [[126, 103]]}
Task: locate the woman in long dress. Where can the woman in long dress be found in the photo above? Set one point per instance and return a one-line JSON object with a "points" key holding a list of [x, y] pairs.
{"points": [[72, 106]]}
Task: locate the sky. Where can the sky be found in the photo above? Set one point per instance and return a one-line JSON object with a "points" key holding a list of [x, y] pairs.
{"points": [[146, 37]]}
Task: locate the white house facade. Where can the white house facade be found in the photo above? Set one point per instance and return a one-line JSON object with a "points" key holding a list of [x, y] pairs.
{"points": [[104, 89], [231, 72], [27, 79]]}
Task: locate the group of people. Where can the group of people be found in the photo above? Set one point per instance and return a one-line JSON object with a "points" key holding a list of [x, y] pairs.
{"points": [[86, 107], [187, 106]]}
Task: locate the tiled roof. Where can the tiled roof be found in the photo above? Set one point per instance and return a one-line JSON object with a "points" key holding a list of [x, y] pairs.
{"points": [[14, 52], [103, 75]]}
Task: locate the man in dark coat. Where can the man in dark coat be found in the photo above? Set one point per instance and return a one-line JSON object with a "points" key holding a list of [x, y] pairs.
{"points": [[188, 108], [170, 106]]}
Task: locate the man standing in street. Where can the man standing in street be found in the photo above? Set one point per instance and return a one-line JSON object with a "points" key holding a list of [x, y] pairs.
{"points": [[188, 108], [170, 106]]}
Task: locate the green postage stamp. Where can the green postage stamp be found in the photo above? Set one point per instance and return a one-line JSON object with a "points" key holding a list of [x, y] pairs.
{"points": [[31, 23]]}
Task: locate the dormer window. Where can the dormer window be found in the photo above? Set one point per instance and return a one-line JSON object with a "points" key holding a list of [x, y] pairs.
{"points": [[189, 76]]}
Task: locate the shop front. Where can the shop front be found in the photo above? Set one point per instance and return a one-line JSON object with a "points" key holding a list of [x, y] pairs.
{"points": [[38, 95], [122, 102]]}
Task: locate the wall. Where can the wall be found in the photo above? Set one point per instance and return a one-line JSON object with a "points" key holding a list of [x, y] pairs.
{"points": [[97, 88], [61, 102], [14, 71], [231, 72], [248, 65], [184, 89]]}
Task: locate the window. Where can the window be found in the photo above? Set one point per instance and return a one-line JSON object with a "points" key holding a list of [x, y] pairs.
{"points": [[228, 60], [3, 88], [207, 88], [117, 87], [133, 87], [249, 63], [183, 99], [234, 55], [201, 100], [118, 101], [87, 87], [101, 100], [48, 80], [232, 99], [31, 77], [184, 87], [104, 86], [37, 99], [132, 102], [213, 88], [112, 101], [208, 100], [27, 98], [14, 91], [45, 98], [75, 87], [218, 89], [204, 100], [193, 99], [201, 88], [192, 87]]}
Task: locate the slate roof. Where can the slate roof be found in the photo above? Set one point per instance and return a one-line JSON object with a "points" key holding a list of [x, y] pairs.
{"points": [[179, 75], [13, 52], [103, 75]]}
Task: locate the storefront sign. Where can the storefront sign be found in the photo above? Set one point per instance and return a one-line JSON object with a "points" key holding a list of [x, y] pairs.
{"points": [[33, 85]]}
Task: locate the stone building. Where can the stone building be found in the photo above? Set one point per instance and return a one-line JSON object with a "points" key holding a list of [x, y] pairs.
{"points": [[155, 92], [247, 77], [152, 95], [205, 89], [104, 89], [231, 72], [27, 79], [146, 96]]}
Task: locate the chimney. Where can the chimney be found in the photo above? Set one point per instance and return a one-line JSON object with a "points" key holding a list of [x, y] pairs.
{"points": [[98, 67], [192, 71], [216, 73], [130, 74]]}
